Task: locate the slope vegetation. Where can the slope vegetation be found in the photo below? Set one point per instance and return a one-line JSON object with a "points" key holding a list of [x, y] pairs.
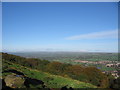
{"points": [[49, 80]]}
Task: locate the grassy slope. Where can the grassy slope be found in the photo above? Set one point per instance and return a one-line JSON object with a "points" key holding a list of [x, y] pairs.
{"points": [[55, 80]]}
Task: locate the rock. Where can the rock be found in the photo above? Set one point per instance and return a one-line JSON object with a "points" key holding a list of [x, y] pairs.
{"points": [[14, 81]]}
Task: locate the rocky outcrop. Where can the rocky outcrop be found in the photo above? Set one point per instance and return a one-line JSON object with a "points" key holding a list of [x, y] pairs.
{"points": [[14, 81]]}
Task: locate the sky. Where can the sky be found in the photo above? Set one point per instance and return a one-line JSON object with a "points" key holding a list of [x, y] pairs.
{"points": [[60, 26]]}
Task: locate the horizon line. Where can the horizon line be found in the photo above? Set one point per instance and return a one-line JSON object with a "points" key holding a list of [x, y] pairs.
{"points": [[60, 51]]}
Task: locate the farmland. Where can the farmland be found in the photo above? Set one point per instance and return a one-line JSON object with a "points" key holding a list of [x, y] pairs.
{"points": [[68, 56], [99, 60]]}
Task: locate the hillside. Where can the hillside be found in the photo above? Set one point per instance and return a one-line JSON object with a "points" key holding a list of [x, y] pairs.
{"points": [[48, 80]]}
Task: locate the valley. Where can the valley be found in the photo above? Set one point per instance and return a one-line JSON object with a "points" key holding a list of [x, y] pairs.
{"points": [[60, 73]]}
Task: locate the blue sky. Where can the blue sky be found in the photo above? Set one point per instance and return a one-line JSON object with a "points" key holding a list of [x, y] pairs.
{"points": [[60, 26]]}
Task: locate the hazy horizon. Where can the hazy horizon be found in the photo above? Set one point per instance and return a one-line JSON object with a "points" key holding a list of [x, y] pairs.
{"points": [[55, 51]]}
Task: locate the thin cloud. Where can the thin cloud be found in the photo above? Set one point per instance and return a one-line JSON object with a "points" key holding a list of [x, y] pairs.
{"points": [[95, 35]]}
